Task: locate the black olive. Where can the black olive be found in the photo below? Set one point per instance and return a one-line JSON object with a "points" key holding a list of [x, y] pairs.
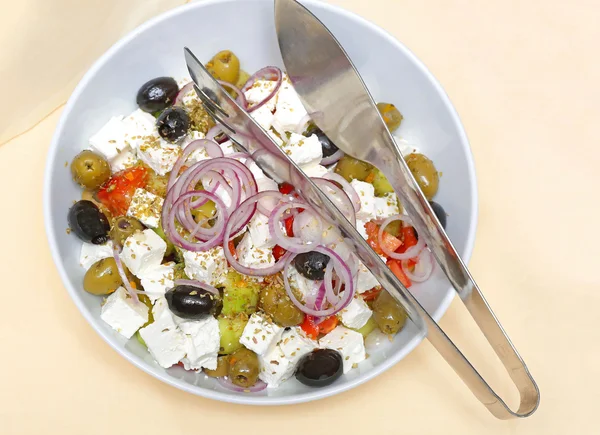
{"points": [[439, 212], [190, 302], [173, 123], [157, 94], [320, 368], [88, 222], [311, 264], [329, 148]]}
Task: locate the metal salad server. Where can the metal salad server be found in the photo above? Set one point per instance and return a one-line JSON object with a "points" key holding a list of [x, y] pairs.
{"points": [[328, 85]]}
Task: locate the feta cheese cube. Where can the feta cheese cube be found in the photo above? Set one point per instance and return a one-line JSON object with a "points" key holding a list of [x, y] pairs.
{"points": [[263, 117], [314, 170], [386, 206], [366, 194], [289, 109], [165, 341], [208, 266], [138, 125], [356, 314], [348, 342], [405, 147], [123, 314], [266, 184], [158, 280], [251, 256], [158, 154], [260, 90], [295, 344], [365, 280], [146, 207], [91, 253], [259, 231], [275, 368], [125, 159], [199, 154], [360, 227], [202, 342], [256, 171], [306, 288], [260, 334], [304, 151], [228, 148], [143, 251], [110, 139]]}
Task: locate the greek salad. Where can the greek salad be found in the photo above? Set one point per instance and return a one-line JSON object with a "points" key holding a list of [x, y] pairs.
{"points": [[215, 267]]}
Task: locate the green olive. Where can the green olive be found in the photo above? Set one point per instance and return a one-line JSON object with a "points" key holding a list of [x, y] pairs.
{"points": [[388, 314], [425, 173], [123, 227], [222, 368], [225, 66], [102, 278], [391, 115], [275, 302], [351, 168], [90, 170], [243, 368], [381, 184], [231, 329]]}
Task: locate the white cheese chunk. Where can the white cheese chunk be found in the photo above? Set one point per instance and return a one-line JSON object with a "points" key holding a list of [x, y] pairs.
{"points": [[307, 288], [356, 314], [123, 314], [124, 160], [349, 343], [289, 109], [199, 154], [365, 280], [275, 368], [260, 334], [259, 231], [263, 117], [202, 342], [314, 170], [251, 256], [405, 147], [158, 280], [304, 151], [110, 139], [208, 266], [165, 341], [295, 344], [91, 253], [138, 125], [360, 227], [158, 154], [366, 194], [260, 90], [386, 206], [143, 251], [146, 207]]}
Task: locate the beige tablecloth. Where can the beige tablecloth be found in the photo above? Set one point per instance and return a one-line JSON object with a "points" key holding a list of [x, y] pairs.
{"points": [[524, 77]]}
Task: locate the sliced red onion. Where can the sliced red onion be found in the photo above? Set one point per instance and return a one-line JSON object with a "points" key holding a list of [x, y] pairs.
{"points": [[216, 134], [338, 197], [212, 149], [424, 267], [294, 245], [236, 218], [240, 98], [301, 127], [196, 283], [325, 161], [411, 252], [122, 273], [226, 383], [271, 73], [182, 93], [350, 191]]}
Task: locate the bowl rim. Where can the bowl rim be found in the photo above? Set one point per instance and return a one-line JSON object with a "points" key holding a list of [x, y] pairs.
{"points": [[213, 394]]}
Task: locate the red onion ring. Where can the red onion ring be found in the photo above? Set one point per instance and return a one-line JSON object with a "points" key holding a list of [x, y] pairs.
{"points": [[332, 158], [196, 283], [294, 245], [212, 149], [226, 383], [411, 252], [216, 134], [122, 274], [425, 259], [234, 220], [182, 93], [338, 197], [240, 98], [271, 73], [301, 127], [348, 189]]}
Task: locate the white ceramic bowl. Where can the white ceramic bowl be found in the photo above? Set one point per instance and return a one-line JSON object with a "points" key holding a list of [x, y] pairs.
{"points": [[154, 49]]}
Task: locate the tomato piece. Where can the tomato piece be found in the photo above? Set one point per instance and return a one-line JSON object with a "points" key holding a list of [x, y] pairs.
{"points": [[289, 226], [388, 241], [309, 327], [397, 270], [409, 238], [371, 295], [231, 247], [328, 325], [117, 192], [286, 188], [278, 252]]}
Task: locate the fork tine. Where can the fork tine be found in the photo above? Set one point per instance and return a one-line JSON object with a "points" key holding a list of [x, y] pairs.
{"points": [[237, 145], [208, 102], [219, 120]]}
